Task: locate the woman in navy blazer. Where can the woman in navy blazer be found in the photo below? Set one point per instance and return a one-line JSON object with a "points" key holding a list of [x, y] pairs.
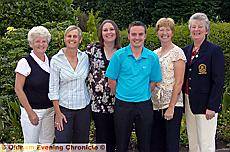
{"points": [[203, 85]]}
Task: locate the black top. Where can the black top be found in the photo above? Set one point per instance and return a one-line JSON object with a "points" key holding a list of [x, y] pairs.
{"points": [[101, 99], [36, 86]]}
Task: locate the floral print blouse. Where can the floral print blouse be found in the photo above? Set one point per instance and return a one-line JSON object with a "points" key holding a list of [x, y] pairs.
{"points": [[162, 95], [101, 98]]}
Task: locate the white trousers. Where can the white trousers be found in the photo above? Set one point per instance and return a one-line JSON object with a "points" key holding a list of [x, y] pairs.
{"points": [[41, 133], [201, 132]]}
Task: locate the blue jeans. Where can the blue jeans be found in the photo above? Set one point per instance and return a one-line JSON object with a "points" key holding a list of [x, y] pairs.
{"points": [[76, 130]]}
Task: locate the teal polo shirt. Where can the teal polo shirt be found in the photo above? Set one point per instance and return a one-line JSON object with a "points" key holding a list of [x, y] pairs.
{"points": [[133, 76]]}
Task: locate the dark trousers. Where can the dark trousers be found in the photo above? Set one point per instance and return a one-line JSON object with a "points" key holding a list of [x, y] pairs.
{"points": [[166, 133], [105, 133], [76, 130], [129, 113]]}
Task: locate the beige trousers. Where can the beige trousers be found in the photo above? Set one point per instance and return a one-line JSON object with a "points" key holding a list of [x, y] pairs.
{"points": [[41, 133], [201, 132]]}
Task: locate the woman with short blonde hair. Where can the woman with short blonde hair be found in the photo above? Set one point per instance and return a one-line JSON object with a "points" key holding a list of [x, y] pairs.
{"points": [[167, 95], [68, 91]]}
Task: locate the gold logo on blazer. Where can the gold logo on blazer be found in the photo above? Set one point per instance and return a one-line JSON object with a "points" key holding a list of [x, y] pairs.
{"points": [[202, 69]]}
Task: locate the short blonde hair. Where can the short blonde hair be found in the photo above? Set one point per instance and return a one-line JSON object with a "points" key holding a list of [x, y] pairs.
{"points": [[74, 27], [165, 22], [38, 31]]}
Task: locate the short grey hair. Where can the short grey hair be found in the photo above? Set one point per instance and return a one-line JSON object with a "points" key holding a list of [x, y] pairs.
{"points": [[38, 31], [201, 17], [74, 27]]}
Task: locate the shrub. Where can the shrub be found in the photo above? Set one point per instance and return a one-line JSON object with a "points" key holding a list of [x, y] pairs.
{"points": [[14, 46], [124, 12], [26, 14], [223, 128], [10, 129]]}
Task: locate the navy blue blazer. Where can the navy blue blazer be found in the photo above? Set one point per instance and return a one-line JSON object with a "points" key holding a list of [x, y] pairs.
{"points": [[205, 77]]}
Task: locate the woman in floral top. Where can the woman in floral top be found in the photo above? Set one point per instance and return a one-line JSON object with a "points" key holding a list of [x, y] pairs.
{"points": [[167, 96], [102, 101]]}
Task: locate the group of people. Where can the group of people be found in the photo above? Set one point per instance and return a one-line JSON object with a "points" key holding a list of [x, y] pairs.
{"points": [[122, 88]]}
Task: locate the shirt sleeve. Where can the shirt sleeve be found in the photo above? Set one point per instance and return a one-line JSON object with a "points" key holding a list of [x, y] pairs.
{"points": [[156, 75], [54, 81], [113, 68], [217, 79], [23, 67], [178, 54]]}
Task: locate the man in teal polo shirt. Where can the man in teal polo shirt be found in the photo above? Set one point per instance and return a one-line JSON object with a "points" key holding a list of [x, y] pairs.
{"points": [[132, 73]]}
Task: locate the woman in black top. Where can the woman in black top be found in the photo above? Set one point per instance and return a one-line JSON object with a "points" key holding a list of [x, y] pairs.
{"points": [[32, 87], [101, 97]]}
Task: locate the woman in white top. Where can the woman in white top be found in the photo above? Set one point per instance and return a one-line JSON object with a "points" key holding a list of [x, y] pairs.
{"points": [[67, 89], [32, 87], [167, 96]]}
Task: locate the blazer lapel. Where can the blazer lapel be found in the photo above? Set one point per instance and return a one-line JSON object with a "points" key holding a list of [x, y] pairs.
{"points": [[188, 54], [203, 49]]}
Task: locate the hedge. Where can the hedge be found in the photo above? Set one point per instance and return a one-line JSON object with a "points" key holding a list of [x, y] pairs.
{"points": [[28, 13], [14, 46]]}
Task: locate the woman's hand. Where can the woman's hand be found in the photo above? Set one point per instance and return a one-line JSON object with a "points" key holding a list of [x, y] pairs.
{"points": [[59, 119], [209, 114], [19, 85], [33, 117], [169, 113]]}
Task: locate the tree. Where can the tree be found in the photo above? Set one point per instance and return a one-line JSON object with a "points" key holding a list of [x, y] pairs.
{"points": [[29, 13]]}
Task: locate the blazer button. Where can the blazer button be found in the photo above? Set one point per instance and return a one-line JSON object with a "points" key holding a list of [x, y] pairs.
{"points": [[190, 69], [189, 88], [190, 78]]}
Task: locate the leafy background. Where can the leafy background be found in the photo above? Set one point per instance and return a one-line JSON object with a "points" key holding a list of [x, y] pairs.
{"points": [[19, 16]]}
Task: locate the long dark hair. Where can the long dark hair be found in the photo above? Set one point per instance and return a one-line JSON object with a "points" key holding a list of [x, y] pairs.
{"points": [[117, 40]]}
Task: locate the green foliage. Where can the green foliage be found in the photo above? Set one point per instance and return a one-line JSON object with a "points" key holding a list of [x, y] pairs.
{"points": [[10, 129], [226, 98], [91, 26], [58, 15], [68, 2], [225, 11], [219, 34], [124, 12], [223, 128], [26, 14], [183, 132], [124, 37], [82, 18], [14, 46]]}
